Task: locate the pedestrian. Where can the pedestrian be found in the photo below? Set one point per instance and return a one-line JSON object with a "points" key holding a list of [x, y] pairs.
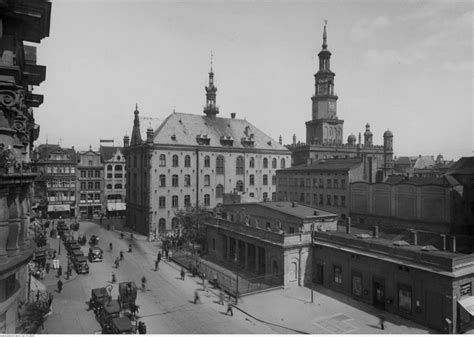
{"points": [[166, 253], [229, 309], [50, 300], [60, 271], [60, 286], [196, 297], [221, 297], [134, 310], [114, 278], [159, 257], [182, 273], [204, 285], [156, 264], [54, 254], [47, 268], [382, 321]]}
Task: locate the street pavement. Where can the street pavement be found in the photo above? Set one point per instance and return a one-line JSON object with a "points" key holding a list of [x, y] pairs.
{"points": [[167, 305]]}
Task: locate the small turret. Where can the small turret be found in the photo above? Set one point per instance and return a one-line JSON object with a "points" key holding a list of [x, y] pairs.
{"points": [[126, 141], [149, 136], [351, 140], [368, 135], [280, 140], [136, 135]]}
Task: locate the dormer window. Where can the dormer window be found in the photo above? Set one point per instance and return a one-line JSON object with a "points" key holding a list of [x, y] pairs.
{"points": [[248, 142], [203, 139], [227, 140]]}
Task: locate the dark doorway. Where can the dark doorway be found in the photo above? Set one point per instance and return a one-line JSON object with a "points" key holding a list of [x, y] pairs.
{"points": [[378, 288], [319, 273]]}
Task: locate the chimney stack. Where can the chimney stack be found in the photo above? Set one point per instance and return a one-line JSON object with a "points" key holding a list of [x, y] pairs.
{"points": [[149, 136], [453, 244], [232, 115], [348, 225], [126, 141], [443, 238], [375, 231], [415, 238]]}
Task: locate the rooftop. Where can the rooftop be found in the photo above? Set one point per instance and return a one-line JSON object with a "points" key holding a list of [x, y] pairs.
{"points": [[326, 165], [107, 152], [465, 165], [45, 151]]}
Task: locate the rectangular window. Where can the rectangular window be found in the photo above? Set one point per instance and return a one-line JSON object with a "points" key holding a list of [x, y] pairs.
{"points": [[118, 175], [466, 289], [162, 202], [187, 180], [321, 184], [315, 182], [83, 197], [301, 182], [274, 180], [90, 173], [83, 185], [174, 181], [336, 183], [83, 174], [404, 298], [356, 284], [97, 173], [207, 200], [343, 183], [321, 199], [343, 201], [328, 200], [187, 201], [162, 180], [207, 180], [336, 200], [328, 182], [174, 201], [308, 182], [97, 185], [97, 197], [90, 185], [109, 176], [337, 270], [265, 179]]}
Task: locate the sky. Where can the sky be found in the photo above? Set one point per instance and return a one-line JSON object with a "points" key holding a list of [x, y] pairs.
{"points": [[406, 66]]}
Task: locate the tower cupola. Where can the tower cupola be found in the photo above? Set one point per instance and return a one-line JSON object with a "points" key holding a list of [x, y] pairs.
{"points": [[368, 135], [211, 109]]}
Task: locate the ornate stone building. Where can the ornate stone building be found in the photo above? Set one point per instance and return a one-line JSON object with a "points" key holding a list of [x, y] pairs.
{"points": [[115, 179], [324, 132], [90, 192], [19, 21], [192, 160]]}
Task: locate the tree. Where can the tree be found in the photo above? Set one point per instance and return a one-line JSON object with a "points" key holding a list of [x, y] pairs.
{"points": [[191, 223]]}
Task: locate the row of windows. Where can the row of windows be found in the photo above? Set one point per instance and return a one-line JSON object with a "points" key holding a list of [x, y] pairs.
{"points": [[90, 185], [116, 186], [220, 162], [111, 167], [116, 175], [61, 183], [90, 197], [319, 183], [207, 180], [60, 169], [318, 199], [186, 201], [90, 173]]}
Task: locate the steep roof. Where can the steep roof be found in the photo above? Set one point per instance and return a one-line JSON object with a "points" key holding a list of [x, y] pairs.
{"points": [[326, 165], [107, 152], [44, 151], [465, 165], [424, 162], [185, 129], [402, 161]]}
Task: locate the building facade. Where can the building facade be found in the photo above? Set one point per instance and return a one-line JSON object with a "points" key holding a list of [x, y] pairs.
{"points": [[191, 160], [324, 132], [56, 181], [90, 181], [270, 239], [115, 179], [323, 184], [19, 21]]}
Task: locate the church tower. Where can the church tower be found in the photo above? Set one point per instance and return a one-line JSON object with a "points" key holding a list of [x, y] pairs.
{"points": [[211, 109], [136, 135], [324, 127]]}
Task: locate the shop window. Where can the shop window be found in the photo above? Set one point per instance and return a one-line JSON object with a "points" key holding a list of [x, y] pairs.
{"points": [[357, 284], [404, 298]]}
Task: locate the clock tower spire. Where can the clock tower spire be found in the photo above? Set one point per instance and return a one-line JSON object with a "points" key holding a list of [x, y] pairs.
{"points": [[324, 127]]}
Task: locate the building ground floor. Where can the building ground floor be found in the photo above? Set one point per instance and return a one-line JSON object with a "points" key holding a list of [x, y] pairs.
{"points": [[61, 209], [90, 210]]}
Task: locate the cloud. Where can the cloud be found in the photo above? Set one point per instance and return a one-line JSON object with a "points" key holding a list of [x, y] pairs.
{"points": [[387, 57], [364, 28], [459, 66]]}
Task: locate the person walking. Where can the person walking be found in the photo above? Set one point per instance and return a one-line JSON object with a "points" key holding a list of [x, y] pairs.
{"points": [[229, 309], [48, 265], [60, 286], [182, 273], [196, 297], [158, 257], [157, 262], [60, 271], [382, 321], [221, 297]]}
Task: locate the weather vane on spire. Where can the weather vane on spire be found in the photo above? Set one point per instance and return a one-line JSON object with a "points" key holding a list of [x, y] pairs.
{"points": [[325, 44], [212, 54]]}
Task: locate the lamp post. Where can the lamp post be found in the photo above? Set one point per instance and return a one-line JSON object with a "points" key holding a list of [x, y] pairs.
{"points": [[312, 262]]}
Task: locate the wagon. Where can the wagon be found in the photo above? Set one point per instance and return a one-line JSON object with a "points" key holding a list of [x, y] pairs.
{"points": [[127, 294], [99, 297], [122, 325]]}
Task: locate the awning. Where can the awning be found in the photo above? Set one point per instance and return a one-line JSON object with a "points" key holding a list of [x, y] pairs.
{"points": [[116, 206], [59, 208], [468, 304]]}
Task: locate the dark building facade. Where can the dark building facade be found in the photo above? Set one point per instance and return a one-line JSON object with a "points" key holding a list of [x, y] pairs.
{"points": [[324, 132], [55, 186], [19, 21]]}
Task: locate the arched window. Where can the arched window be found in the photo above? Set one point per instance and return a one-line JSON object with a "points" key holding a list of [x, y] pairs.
{"points": [[265, 196], [174, 201], [175, 160], [265, 163], [118, 186], [174, 223], [118, 167], [207, 200], [174, 180], [109, 167], [187, 161], [162, 225], [252, 162], [207, 180], [239, 165], [219, 191], [265, 179], [162, 160], [274, 163], [109, 186], [282, 163], [240, 186], [207, 161], [220, 165], [162, 180]]}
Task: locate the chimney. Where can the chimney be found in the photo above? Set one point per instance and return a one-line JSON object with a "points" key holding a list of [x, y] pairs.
{"points": [[443, 238], [453, 244], [149, 136], [316, 213], [280, 140], [126, 141], [348, 225], [375, 231], [415, 238], [232, 115]]}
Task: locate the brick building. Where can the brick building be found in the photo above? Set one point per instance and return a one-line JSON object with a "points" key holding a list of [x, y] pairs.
{"points": [[56, 181], [324, 132], [20, 21], [192, 160]]}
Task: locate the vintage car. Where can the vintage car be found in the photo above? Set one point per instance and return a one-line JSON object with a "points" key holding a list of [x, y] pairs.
{"points": [[62, 226], [95, 254], [74, 254], [94, 240], [75, 226], [99, 297], [122, 325], [127, 294], [80, 265], [72, 246], [107, 313]]}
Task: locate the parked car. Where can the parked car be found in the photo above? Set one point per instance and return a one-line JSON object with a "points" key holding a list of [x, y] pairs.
{"points": [[80, 265], [94, 240], [95, 254]]}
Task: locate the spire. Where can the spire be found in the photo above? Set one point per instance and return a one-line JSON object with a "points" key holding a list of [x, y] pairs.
{"points": [[325, 44], [136, 135], [211, 109]]}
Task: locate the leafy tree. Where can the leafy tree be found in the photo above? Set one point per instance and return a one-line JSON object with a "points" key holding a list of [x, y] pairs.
{"points": [[191, 221]]}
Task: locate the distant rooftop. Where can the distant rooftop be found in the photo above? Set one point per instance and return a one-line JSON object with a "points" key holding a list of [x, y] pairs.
{"points": [[327, 165], [465, 165]]}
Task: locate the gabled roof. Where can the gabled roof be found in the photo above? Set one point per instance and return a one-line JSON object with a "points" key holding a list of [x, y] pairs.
{"points": [[327, 165], [424, 162], [402, 161], [44, 151], [188, 129], [107, 152], [465, 165]]}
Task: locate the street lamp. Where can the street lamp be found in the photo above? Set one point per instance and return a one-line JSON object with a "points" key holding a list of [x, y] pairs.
{"points": [[312, 262]]}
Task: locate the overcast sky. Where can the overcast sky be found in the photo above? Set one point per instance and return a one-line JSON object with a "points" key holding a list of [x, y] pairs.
{"points": [[406, 66]]}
